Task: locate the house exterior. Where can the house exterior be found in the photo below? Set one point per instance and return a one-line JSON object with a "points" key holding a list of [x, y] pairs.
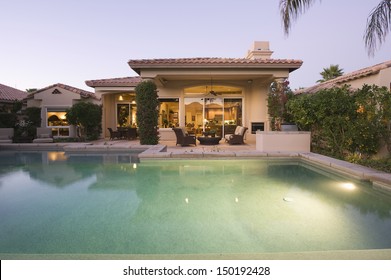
{"points": [[199, 94], [379, 74], [53, 101], [8, 95]]}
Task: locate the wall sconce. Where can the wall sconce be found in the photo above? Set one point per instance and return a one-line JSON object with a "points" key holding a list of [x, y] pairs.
{"points": [[121, 98]]}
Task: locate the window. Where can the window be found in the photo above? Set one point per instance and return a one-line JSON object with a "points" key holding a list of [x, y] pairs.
{"points": [[57, 121], [232, 114], [220, 115], [168, 112], [126, 110]]}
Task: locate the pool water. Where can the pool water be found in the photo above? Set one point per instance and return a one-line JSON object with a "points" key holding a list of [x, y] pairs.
{"points": [[54, 203]]}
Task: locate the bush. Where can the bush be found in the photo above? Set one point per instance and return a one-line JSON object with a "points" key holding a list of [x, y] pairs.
{"points": [[88, 118], [7, 120], [343, 120], [34, 116], [147, 112]]}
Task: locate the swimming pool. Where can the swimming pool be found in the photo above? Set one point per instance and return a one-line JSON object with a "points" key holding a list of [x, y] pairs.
{"points": [[57, 203]]}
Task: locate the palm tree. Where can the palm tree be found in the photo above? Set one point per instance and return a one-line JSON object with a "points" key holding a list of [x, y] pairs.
{"points": [[330, 73], [378, 22]]}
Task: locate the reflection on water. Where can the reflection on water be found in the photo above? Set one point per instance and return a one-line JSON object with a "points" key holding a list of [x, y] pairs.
{"points": [[52, 202]]}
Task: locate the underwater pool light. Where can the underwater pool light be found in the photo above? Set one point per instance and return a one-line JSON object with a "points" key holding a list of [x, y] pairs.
{"points": [[348, 186]]}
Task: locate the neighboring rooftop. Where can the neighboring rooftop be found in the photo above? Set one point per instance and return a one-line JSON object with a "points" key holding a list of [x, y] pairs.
{"points": [[10, 94], [341, 80], [83, 93], [115, 82]]}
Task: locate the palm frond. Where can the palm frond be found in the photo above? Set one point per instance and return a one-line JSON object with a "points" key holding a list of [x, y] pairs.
{"points": [[378, 26], [290, 11]]}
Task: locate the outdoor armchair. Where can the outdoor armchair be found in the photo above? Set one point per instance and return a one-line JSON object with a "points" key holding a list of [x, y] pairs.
{"points": [[237, 137], [182, 138]]}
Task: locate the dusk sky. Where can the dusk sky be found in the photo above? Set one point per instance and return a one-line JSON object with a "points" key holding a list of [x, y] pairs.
{"points": [[44, 42]]}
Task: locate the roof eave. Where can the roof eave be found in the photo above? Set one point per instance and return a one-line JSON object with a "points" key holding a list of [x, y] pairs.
{"points": [[291, 66]]}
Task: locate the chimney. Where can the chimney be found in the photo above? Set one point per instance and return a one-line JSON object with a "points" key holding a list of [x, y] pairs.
{"points": [[260, 50]]}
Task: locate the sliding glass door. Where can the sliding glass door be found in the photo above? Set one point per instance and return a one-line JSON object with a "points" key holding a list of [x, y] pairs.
{"points": [[217, 114]]}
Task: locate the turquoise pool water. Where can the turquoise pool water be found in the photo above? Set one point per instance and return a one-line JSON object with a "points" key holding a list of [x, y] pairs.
{"points": [[53, 203]]}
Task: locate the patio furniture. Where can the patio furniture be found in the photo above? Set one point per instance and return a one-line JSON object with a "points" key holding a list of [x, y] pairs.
{"points": [[131, 133], [237, 137], [114, 134], [182, 138], [6, 135], [44, 135], [209, 140]]}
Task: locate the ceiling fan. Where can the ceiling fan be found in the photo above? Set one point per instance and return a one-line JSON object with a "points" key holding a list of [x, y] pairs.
{"points": [[212, 92]]}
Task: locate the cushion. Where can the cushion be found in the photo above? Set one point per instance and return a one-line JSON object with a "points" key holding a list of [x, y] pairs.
{"points": [[184, 131], [237, 130], [241, 131]]}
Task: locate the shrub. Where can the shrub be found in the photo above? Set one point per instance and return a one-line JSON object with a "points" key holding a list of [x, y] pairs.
{"points": [[7, 119], [34, 116], [87, 117], [344, 121], [147, 112]]}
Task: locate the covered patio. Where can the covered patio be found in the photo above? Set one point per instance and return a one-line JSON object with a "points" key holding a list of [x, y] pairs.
{"points": [[199, 94]]}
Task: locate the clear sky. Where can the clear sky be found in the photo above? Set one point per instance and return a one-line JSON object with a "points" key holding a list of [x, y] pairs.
{"points": [[43, 42]]}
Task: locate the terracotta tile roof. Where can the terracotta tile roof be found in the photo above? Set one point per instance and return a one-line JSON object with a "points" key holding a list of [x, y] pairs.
{"points": [[9, 94], [213, 62], [83, 93], [345, 79], [115, 82]]}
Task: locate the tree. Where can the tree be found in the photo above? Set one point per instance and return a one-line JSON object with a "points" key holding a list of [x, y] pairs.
{"points": [[330, 73], [378, 22], [147, 112], [87, 117]]}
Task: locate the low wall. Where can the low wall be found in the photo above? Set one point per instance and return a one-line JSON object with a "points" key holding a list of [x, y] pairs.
{"points": [[167, 134], [283, 141]]}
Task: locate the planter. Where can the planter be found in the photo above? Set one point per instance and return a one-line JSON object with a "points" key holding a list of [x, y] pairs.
{"points": [[289, 127], [283, 141]]}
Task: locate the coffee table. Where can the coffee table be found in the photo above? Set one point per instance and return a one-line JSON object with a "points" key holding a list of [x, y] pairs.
{"points": [[209, 140]]}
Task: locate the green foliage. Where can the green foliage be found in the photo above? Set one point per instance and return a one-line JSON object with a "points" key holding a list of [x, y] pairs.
{"points": [[147, 112], [343, 121], [87, 117], [379, 164], [16, 106], [278, 96], [34, 115], [330, 73], [7, 120]]}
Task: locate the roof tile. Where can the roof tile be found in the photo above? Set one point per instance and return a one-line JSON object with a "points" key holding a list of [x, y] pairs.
{"points": [[371, 70], [10, 94], [83, 93], [115, 82], [137, 64]]}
